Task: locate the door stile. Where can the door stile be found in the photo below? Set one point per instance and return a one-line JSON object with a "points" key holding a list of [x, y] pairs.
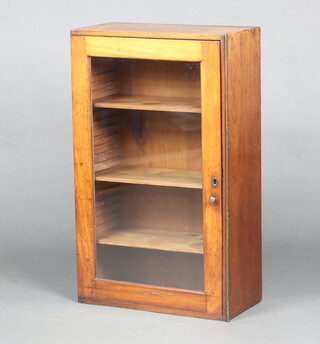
{"points": [[83, 172], [211, 168]]}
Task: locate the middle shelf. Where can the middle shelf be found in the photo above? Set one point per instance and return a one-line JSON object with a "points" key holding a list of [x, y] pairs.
{"points": [[153, 103], [151, 176], [155, 239]]}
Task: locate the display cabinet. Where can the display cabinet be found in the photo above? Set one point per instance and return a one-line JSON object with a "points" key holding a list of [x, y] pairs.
{"points": [[167, 167]]}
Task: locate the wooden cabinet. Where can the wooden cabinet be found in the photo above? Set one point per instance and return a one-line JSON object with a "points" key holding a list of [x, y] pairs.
{"points": [[167, 167]]}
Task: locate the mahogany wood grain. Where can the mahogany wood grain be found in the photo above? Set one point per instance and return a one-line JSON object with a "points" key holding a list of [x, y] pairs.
{"points": [[96, 298], [145, 295], [118, 65], [199, 32], [166, 208], [160, 140], [158, 78], [244, 170], [224, 165], [152, 176], [211, 167], [154, 103], [155, 239], [83, 164], [118, 47]]}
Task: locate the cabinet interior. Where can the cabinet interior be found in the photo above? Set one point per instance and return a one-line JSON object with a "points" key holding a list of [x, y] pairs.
{"points": [[146, 125], [145, 84]]}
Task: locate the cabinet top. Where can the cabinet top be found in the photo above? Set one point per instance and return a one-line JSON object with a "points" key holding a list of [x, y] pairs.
{"points": [[159, 31]]}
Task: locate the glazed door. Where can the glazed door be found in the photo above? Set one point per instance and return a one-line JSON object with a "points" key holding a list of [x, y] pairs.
{"points": [[154, 133]]}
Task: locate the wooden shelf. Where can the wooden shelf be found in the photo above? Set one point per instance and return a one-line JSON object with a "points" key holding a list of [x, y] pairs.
{"points": [[151, 176], [153, 103], [155, 239]]}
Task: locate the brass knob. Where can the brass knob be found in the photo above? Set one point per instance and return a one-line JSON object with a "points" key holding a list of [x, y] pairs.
{"points": [[212, 199]]}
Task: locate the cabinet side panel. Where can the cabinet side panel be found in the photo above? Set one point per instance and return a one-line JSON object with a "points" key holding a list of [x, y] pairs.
{"points": [[244, 170], [83, 175]]}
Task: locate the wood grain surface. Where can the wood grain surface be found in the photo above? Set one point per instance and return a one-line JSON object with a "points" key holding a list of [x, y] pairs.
{"points": [[152, 103], [211, 167], [244, 170], [152, 176], [83, 163], [199, 32], [158, 111], [155, 239], [139, 48]]}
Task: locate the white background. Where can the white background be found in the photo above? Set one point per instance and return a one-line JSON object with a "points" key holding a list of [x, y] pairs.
{"points": [[37, 250]]}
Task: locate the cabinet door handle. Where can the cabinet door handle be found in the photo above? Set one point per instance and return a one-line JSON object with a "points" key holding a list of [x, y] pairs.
{"points": [[212, 199]]}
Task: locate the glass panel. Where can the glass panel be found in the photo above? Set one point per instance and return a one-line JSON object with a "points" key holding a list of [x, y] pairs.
{"points": [[147, 163]]}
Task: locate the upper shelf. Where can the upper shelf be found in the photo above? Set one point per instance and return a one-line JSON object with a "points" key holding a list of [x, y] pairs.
{"points": [[152, 103], [151, 176]]}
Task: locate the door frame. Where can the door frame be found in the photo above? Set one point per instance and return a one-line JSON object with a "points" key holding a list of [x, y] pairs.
{"points": [[206, 304]]}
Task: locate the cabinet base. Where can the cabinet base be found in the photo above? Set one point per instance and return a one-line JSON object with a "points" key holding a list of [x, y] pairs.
{"points": [[148, 308]]}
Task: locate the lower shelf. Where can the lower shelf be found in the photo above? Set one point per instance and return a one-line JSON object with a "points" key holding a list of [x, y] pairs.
{"points": [[155, 239]]}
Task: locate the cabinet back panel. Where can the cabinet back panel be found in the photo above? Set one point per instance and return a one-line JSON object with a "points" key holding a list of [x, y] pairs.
{"points": [[159, 78], [146, 139], [144, 77], [167, 208], [171, 269], [160, 139]]}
